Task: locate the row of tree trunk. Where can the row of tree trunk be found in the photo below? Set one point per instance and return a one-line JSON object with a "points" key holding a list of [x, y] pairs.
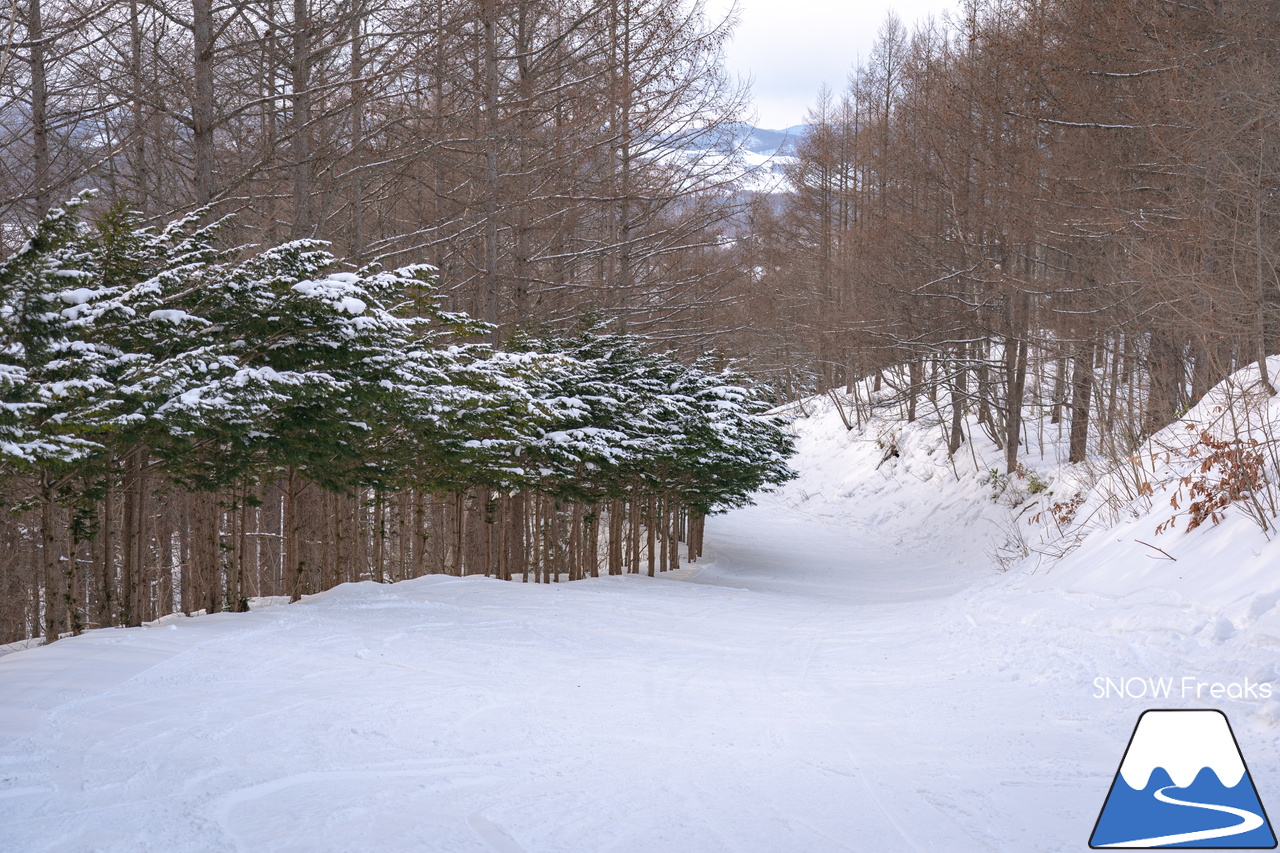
{"points": [[1104, 395], [147, 549]]}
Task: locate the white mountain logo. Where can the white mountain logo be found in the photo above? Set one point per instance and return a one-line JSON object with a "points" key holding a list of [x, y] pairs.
{"points": [[1183, 783]]}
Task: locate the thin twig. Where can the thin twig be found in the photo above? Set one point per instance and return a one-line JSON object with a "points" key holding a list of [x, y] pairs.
{"points": [[1161, 550]]}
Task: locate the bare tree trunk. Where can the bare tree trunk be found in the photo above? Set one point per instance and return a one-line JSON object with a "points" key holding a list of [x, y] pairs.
{"points": [[420, 533], [12, 594], [357, 552], [553, 561], [190, 584], [295, 564], [50, 559], [139, 170], [959, 391], [1202, 372], [1260, 314], [1016, 367], [615, 537], [357, 135], [379, 537], [460, 529], [209, 526], [202, 106], [664, 532], [130, 606], [633, 535], [140, 495], [166, 592], [238, 596], [519, 528], [104, 561], [914, 378], [575, 542], [1059, 389], [1165, 373], [593, 542], [300, 77], [673, 522], [39, 110], [1081, 391], [651, 529], [489, 16], [984, 392]]}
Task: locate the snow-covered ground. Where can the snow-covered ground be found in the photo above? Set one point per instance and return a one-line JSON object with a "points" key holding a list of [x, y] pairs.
{"points": [[846, 669]]}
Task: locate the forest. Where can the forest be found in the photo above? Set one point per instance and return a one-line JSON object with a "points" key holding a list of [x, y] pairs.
{"points": [[1052, 208], [299, 293]]}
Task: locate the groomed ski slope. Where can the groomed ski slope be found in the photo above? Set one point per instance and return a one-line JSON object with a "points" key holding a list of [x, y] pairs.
{"points": [[845, 670]]}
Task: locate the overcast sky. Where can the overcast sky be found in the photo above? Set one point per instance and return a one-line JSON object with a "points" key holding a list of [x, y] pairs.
{"points": [[790, 47]]}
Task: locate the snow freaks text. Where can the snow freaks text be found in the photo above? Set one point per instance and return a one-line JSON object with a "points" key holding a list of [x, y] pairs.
{"points": [[1185, 687]]}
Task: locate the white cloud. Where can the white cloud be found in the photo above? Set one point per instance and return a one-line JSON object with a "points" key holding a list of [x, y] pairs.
{"points": [[789, 48]]}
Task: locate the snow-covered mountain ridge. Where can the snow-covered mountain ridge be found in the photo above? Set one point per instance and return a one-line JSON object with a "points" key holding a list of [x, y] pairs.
{"points": [[759, 157], [741, 136]]}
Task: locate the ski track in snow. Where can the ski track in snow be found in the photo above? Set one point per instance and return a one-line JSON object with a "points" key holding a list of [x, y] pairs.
{"points": [[809, 686]]}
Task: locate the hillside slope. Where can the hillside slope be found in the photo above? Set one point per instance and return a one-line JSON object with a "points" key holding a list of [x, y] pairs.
{"points": [[1098, 551]]}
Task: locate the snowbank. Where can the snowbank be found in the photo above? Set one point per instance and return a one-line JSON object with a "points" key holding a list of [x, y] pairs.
{"points": [[1097, 554], [894, 480], [1137, 531], [1107, 529]]}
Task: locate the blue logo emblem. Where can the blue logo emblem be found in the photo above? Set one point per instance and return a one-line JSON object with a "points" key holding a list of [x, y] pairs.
{"points": [[1183, 783]]}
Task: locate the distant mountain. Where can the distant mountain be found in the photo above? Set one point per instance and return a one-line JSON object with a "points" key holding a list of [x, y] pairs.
{"points": [[762, 155], [758, 140], [741, 136]]}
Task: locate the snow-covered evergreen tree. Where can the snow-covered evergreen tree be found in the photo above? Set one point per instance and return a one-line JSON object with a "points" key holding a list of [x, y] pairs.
{"points": [[264, 388]]}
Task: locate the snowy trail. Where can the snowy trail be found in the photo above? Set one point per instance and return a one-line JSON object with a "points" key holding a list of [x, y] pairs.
{"points": [[806, 688], [824, 560]]}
